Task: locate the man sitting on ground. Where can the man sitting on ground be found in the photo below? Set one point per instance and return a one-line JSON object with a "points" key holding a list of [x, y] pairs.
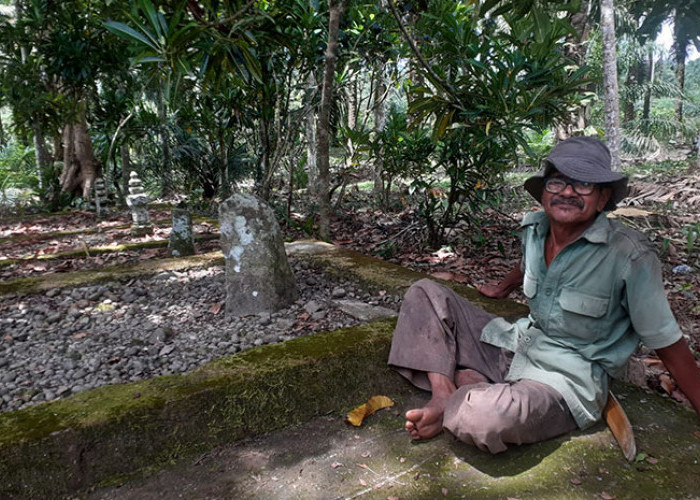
{"points": [[595, 291]]}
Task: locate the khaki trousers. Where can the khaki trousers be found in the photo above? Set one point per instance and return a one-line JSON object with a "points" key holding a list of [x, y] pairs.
{"points": [[439, 331]]}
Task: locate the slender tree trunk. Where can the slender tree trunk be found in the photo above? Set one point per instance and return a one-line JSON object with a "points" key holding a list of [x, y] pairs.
{"points": [[352, 123], [629, 113], [647, 94], [312, 167], [379, 111], [679, 48], [43, 160], [3, 140], [610, 85], [126, 169], [167, 176], [336, 9], [224, 181]]}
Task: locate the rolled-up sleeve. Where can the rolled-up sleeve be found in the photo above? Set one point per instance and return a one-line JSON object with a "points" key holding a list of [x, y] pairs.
{"points": [[647, 304]]}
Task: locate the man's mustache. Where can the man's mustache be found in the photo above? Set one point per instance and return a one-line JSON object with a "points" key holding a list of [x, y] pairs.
{"points": [[560, 200]]}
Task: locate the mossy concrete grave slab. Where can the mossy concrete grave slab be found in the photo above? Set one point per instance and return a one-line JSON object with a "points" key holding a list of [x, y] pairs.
{"points": [[121, 434], [326, 458]]}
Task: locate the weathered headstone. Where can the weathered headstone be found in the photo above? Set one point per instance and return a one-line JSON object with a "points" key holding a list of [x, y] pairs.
{"points": [[258, 275], [181, 241], [138, 201]]}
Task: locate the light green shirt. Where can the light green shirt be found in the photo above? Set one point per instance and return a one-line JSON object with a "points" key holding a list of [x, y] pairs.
{"points": [[599, 297]]}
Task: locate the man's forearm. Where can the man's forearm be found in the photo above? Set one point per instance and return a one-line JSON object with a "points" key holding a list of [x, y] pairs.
{"points": [[510, 282], [681, 364]]}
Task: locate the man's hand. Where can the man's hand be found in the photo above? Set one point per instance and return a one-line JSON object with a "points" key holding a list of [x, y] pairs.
{"points": [[501, 290], [684, 370], [493, 290]]}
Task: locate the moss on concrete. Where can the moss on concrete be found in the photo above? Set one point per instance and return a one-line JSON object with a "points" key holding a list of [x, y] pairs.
{"points": [[26, 286], [65, 445], [92, 251], [377, 274]]}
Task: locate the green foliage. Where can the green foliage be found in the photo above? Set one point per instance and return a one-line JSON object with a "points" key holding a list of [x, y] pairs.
{"points": [[492, 78], [691, 233], [17, 168]]}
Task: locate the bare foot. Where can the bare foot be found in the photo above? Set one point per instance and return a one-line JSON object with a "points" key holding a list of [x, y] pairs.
{"points": [[426, 422], [469, 377]]}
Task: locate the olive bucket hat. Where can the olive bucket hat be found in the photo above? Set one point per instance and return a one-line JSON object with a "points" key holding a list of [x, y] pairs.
{"points": [[583, 159]]}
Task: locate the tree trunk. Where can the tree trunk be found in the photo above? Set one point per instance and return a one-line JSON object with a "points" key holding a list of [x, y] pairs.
{"points": [[679, 48], [167, 176], [379, 124], [610, 86], [80, 167], [336, 9], [629, 113], [576, 49], [126, 169], [3, 141], [647, 94], [312, 167], [43, 161]]}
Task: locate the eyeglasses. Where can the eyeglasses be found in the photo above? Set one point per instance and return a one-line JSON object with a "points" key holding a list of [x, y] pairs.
{"points": [[556, 185]]}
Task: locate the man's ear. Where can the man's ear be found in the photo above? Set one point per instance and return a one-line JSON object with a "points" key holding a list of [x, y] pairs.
{"points": [[605, 194]]}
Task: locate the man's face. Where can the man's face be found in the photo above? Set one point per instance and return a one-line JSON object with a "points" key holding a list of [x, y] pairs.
{"points": [[569, 206]]}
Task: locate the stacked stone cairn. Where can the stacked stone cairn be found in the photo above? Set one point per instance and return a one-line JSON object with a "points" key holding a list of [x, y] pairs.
{"points": [[181, 241], [100, 204], [258, 276], [138, 201]]}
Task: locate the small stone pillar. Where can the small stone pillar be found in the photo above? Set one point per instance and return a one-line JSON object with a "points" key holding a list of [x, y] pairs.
{"points": [[100, 196], [181, 241], [258, 275], [138, 201]]}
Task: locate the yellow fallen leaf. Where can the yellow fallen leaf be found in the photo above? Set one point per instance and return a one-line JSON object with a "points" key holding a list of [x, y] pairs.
{"points": [[358, 415]]}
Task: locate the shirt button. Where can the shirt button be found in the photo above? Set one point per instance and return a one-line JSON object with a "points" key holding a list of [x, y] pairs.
{"points": [[548, 292], [528, 338]]}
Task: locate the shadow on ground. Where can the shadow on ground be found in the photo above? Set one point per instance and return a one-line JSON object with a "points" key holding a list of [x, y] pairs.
{"points": [[326, 458]]}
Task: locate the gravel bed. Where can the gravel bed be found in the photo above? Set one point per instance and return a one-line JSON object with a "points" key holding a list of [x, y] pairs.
{"points": [[70, 340]]}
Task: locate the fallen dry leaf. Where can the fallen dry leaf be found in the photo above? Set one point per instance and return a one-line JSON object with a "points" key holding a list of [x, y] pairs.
{"points": [[216, 308], [607, 496], [358, 415], [667, 383], [335, 465], [80, 335], [363, 482], [575, 481], [652, 460], [696, 434]]}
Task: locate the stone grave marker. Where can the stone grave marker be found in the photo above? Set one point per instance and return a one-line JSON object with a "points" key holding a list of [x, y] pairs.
{"points": [[181, 241], [258, 275]]}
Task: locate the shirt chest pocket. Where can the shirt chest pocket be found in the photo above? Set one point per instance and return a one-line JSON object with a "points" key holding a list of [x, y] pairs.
{"points": [[582, 313]]}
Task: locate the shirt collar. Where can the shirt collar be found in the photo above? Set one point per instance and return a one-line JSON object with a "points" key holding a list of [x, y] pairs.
{"points": [[598, 232]]}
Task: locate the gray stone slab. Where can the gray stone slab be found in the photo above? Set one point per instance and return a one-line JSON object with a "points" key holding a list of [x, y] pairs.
{"points": [[363, 311]]}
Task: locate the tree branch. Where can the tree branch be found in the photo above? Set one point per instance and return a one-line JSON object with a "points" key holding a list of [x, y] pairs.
{"points": [[446, 86]]}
